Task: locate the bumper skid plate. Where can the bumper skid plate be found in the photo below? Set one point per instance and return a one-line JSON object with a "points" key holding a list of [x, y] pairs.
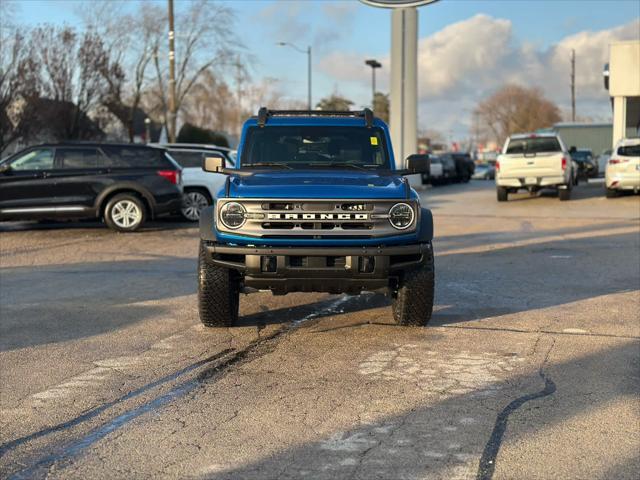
{"points": [[323, 269]]}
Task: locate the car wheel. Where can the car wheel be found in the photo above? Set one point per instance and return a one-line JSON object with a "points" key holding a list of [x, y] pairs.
{"points": [[502, 193], [125, 213], [218, 293], [611, 193], [413, 302], [564, 194], [193, 202]]}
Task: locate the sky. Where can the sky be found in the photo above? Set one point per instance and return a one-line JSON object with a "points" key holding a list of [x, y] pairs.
{"points": [[467, 48]]}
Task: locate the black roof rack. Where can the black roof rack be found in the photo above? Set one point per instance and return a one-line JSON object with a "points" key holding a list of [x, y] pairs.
{"points": [[264, 114]]}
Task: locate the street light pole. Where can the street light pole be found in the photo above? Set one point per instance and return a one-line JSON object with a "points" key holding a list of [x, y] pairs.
{"points": [[373, 64], [308, 53]]}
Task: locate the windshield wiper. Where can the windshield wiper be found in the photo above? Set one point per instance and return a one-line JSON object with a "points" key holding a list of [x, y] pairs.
{"points": [[336, 164], [267, 164]]}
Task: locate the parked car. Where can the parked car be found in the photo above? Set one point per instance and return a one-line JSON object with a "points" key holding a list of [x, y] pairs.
{"points": [[587, 166], [623, 169], [602, 161], [435, 171], [534, 161], [316, 203], [122, 184], [463, 166], [484, 171], [200, 187], [449, 172]]}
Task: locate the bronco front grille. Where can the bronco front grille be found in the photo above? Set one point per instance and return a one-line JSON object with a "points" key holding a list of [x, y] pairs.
{"points": [[316, 218]]}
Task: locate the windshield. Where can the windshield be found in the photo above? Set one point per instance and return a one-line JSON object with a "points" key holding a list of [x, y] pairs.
{"points": [[533, 145], [315, 147], [581, 156]]}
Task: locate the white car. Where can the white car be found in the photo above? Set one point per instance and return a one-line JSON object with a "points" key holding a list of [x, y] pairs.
{"points": [[200, 187], [623, 168], [534, 161]]}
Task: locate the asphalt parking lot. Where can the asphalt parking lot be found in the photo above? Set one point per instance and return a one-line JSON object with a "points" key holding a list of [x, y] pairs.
{"points": [[529, 369]]}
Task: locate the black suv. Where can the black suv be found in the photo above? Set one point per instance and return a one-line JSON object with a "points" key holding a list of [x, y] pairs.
{"points": [[123, 184]]}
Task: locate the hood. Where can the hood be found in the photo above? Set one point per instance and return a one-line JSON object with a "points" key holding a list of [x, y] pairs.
{"points": [[318, 184]]}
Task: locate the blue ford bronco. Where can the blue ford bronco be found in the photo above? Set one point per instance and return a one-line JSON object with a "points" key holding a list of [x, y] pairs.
{"points": [[315, 204]]}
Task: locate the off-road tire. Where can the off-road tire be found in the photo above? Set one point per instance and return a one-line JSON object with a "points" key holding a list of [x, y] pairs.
{"points": [[502, 193], [218, 293], [413, 302], [109, 213], [564, 194], [611, 193]]}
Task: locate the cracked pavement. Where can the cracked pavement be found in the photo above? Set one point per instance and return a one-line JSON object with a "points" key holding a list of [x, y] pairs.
{"points": [[105, 371]]}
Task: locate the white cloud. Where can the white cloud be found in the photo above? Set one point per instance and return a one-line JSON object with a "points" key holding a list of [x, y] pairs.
{"points": [[468, 60]]}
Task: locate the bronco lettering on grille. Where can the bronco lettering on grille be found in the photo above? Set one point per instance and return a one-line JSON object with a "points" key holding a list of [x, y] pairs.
{"points": [[318, 216]]}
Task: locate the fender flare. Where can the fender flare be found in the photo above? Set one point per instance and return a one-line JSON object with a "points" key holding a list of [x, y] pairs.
{"points": [[425, 234], [207, 228], [125, 187]]}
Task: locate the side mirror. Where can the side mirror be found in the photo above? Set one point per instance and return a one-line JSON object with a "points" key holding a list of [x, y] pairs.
{"points": [[573, 149], [214, 163], [418, 163]]}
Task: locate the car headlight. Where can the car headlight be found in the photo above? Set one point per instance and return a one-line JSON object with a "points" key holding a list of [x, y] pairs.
{"points": [[401, 216], [232, 215]]}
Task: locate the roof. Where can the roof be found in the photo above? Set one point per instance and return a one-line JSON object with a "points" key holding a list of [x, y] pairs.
{"points": [[625, 142], [534, 134], [195, 146], [582, 125], [96, 144]]}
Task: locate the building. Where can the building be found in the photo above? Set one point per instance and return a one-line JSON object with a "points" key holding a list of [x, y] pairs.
{"points": [[594, 136], [622, 79]]}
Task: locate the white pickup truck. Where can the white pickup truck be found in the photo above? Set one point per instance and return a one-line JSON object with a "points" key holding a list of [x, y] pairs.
{"points": [[534, 161]]}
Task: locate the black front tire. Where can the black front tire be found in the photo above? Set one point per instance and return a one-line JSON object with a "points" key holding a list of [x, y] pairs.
{"points": [[218, 293], [413, 302], [502, 194]]}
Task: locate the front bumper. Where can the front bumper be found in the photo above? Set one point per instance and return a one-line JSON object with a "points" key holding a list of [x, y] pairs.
{"points": [[318, 269]]}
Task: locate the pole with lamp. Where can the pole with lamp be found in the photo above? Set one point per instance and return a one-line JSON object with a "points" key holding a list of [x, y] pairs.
{"points": [[308, 53], [373, 64]]}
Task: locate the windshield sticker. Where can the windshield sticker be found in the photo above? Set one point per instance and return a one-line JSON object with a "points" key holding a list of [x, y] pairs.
{"points": [[374, 140]]}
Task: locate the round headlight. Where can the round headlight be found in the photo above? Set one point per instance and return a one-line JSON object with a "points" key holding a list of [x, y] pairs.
{"points": [[401, 216], [232, 215]]}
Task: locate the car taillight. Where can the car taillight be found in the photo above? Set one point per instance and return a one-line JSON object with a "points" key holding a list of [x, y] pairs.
{"points": [[172, 175], [613, 161], [564, 163], [497, 166]]}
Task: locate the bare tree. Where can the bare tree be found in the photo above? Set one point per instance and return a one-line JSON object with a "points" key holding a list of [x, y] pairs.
{"points": [[515, 109], [19, 86], [381, 106], [71, 65], [131, 41], [205, 40], [334, 102]]}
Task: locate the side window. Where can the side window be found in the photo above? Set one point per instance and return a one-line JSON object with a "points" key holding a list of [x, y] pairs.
{"points": [[39, 159], [187, 158], [132, 157], [76, 158]]}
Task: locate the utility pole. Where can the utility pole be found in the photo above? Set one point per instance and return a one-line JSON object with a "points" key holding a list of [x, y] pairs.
{"points": [[308, 53], [373, 64], [172, 78], [239, 95], [573, 85]]}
